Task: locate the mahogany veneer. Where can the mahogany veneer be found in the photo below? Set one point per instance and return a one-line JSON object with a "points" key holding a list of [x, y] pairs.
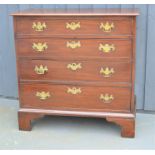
{"points": [[76, 63], [89, 48], [90, 71], [57, 25]]}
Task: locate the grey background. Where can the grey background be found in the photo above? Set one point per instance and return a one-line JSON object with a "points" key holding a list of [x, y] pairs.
{"points": [[145, 56]]}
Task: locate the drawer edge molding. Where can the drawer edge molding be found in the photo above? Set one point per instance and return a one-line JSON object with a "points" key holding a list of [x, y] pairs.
{"points": [[78, 113], [67, 36], [84, 83]]}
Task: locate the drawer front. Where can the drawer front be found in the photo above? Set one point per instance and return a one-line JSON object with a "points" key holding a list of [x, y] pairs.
{"points": [[74, 48], [46, 96], [75, 70], [74, 26]]}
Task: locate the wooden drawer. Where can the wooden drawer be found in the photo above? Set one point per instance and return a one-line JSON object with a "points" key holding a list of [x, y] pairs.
{"points": [[47, 96], [75, 70], [75, 48], [74, 26]]}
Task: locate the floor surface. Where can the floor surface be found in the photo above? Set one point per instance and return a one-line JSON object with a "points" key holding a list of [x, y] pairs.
{"points": [[53, 132]]}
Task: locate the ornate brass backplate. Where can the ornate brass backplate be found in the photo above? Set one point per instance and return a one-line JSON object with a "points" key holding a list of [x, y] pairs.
{"points": [[73, 25], [73, 44], [39, 47], [106, 48], [107, 72], [38, 26], [74, 66], [74, 90], [107, 27], [106, 98], [43, 95], [40, 69]]}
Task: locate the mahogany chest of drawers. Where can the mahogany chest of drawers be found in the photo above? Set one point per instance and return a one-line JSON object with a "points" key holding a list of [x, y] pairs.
{"points": [[76, 63]]}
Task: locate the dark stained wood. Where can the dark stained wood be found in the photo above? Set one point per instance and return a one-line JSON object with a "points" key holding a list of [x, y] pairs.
{"points": [[77, 12], [89, 98], [84, 83], [133, 101], [57, 56], [89, 71], [25, 120], [72, 36], [77, 113], [127, 125], [57, 48], [122, 25], [125, 120]]}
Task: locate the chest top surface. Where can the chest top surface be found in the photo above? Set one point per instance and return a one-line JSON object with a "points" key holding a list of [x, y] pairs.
{"points": [[77, 12]]}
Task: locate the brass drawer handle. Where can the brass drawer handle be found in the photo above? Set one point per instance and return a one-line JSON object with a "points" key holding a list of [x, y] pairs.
{"points": [[73, 44], [40, 69], [73, 25], [39, 47], [106, 98], [39, 26], [107, 72], [74, 90], [74, 66], [43, 95], [106, 48], [107, 27]]}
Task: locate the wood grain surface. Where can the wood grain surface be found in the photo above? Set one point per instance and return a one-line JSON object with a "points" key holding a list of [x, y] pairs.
{"points": [[89, 48], [88, 26], [89, 98], [89, 71], [59, 78]]}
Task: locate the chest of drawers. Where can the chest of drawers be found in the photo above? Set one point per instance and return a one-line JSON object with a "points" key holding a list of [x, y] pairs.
{"points": [[76, 63]]}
